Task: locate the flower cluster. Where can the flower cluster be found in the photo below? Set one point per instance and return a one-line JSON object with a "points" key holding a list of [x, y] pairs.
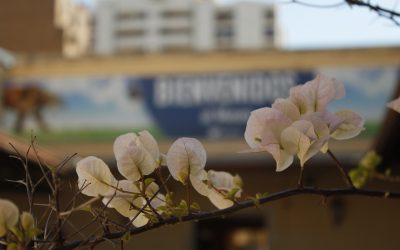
{"points": [[21, 227], [301, 124], [138, 197]]}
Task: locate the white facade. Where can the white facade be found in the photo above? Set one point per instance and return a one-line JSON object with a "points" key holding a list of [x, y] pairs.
{"points": [[75, 21], [164, 25]]}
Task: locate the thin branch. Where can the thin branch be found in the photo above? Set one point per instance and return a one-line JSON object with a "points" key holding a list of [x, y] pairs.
{"points": [[319, 6], [42, 169], [28, 180], [390, 14], [141, 210], [376, 8], [384, 177], [341, 170], [242, 205], [80, 207]]}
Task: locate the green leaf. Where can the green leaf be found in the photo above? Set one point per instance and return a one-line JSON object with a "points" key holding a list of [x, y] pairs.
{"points": [[32, 232], [181, 210], [195, 206], [359, 177], [231, 195], [261, 195], [17, 233], [168, 199], [183, 204], [256, 202], [370, 161]]}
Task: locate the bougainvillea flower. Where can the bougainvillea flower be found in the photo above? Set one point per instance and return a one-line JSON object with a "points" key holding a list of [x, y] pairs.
{"points": [[263, 133], [199, 183], [185, 157], [300, 124], [94, 177], [305, 139], [221, 185], [395, 105], [136, 155], [159, 199], [351, 125], [127, 202], [9, 215]]}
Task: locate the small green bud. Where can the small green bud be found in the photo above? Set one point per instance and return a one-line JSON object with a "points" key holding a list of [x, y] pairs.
{"points": [[27, 221], [148, 181]]}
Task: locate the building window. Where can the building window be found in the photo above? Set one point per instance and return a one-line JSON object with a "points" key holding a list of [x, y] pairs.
{"points": [[175, 31], [270, 14], [175, 14], [269, 32], [223, 33], [122, 16], [129, 33], [224, 15]]}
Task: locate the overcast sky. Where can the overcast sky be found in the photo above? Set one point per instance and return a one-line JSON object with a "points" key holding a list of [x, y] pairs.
{"points": [[307, 28]]}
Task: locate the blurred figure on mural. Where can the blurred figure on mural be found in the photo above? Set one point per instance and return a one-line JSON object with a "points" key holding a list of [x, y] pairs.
{"points": [[28, 99]]}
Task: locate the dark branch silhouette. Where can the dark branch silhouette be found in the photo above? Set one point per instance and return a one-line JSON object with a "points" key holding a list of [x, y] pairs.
{"points": [[390, 14], [238, 206]]}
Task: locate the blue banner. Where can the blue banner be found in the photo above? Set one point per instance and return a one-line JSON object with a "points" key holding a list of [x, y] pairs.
{"points": [[214, 105]]}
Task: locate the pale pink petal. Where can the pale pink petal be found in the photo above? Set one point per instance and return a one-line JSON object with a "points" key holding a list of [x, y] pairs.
{"points": [[122, 143], [287, 108], [186, 156], [94, 177], [135, 162], [328, 90], [321, 122], [157, 201], [305, 138], [295, 141], [199, 183], [315, 95], [224, 181], [125, 188], [128, 207], [150, 144], [264, 127], [351, 126], [218, 200], [315, 147], [329, 119], [303, 96], [395, 105], [282, 158]]}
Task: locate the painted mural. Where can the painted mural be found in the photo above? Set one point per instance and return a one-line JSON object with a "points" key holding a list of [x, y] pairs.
{"points": [[210, 106]]}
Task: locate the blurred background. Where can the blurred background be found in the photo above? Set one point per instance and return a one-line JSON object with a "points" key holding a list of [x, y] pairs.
{"points": [[76, 74]]}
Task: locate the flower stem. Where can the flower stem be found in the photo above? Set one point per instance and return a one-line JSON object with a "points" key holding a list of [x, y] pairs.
{"points": [[188, 196], [300, 180], [341, 170]]}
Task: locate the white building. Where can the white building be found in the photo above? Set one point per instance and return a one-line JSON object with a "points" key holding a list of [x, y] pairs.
{"points": [[75, 21], [164, 25]]}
